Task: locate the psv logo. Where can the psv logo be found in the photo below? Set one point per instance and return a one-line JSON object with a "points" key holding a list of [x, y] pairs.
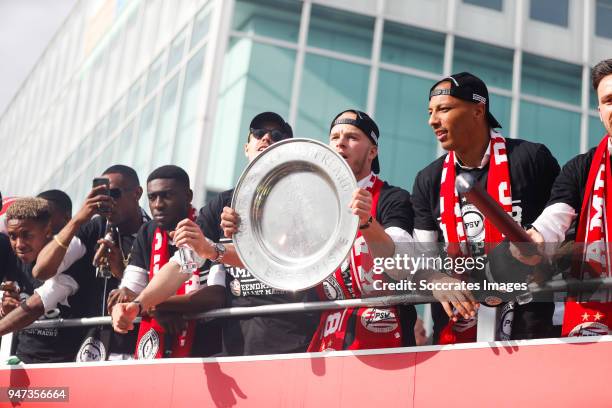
{"points": [[148, 346], [379, 320], [589, 329], [92, 350]]}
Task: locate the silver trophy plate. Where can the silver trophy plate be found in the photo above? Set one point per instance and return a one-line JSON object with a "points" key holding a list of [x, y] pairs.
{"points": [[296, 226]]}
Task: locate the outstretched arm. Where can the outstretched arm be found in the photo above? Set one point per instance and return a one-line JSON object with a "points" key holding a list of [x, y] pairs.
{"points": [[51, 256], [23, 315]]}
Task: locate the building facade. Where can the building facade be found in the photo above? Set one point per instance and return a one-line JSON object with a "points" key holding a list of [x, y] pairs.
{"points": [[153, 82]]}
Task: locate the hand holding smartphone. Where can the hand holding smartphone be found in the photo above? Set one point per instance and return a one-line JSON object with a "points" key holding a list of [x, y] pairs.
{"points": [[102, 181]]}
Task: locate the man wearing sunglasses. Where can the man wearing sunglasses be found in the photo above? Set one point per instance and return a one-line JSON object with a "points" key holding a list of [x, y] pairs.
{"points": [[85, 235], [282, 333]]}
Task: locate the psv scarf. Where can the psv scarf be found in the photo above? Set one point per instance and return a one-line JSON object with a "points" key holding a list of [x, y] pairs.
{"points": [[451, 222], [152, 336], [593, 318], [358, 328]]}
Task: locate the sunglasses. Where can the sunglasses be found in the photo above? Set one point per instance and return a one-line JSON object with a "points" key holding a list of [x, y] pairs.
{"points": [[115, 193], [275, 134]]}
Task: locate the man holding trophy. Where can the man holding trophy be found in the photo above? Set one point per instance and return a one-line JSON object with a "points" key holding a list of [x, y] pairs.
{"points": [[252, 335], [385, 217]]}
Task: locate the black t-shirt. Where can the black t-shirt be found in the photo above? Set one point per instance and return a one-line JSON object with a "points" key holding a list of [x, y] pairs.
{"points": [[265, 334], [53, 345], [532, 170], [394, 208], [89, 234], [7, 257], [571, 183]]}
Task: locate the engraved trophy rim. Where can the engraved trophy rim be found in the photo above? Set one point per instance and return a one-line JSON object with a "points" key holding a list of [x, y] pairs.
{"points": [[314, 232]]}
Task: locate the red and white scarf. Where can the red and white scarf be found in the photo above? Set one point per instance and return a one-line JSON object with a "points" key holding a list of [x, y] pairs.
{"points": [[451, 221], [151, 335], [593, 318], [358, 328]]}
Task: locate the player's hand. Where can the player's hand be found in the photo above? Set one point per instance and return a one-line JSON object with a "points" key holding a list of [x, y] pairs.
{"points": [[532, 260], [123, 316], [462, 301], [189, 234], [10, 297], [361, 205], [172, 322], [230, 220], [121, 295], [97, 202], [110, 252]]}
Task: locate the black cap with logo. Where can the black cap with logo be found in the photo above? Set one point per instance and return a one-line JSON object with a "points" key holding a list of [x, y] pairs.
{"points": [[469, 88], [364, 123], [272, 117]]}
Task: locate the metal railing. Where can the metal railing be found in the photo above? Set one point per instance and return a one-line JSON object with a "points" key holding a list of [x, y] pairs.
{"points": [[486, 326]]}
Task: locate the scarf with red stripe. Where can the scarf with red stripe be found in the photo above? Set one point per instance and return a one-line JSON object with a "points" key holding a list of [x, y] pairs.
{"points": [[152, 337], [593, 318], [451, 222], [356, 328]]}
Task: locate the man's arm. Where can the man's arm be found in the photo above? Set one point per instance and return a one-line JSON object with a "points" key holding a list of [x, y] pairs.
{"points": [[22, 316], [164, 284], [201, 300], [426, 237], [188, 233], [51, 256]]}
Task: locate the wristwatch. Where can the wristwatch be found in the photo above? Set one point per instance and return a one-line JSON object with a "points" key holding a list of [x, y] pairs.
{"points": [[137, 302], [220, 248], [367, 223]]}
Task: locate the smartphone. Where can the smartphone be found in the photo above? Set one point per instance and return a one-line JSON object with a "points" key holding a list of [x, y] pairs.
{"points": [[102, 181]]}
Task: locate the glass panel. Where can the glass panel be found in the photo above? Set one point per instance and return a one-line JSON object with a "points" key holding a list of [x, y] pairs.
{"points": [[200, 26], [155, 74], [328, 87], [340, 31], [491, 64], [551, 79], [250, 85], [127, 144], [145, 138], [166, 126], [105, 159], [183, 151], [500, 107], [412, 47], [133, 97], [131, 52], [71, 165], [492, 4], [175, 55], [114, 117], [271, 18], [407, 143], [82, 186], [549, 11], [603, 16], [559, 130], [596, 131]]}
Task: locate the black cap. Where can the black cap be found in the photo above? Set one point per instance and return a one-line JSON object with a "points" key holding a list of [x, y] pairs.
{"points": [[364, 123], [469, 88], [263, 117]]}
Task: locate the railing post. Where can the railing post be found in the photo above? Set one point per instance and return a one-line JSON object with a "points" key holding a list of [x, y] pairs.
{"points": [[487, 323], [5, 347]]}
